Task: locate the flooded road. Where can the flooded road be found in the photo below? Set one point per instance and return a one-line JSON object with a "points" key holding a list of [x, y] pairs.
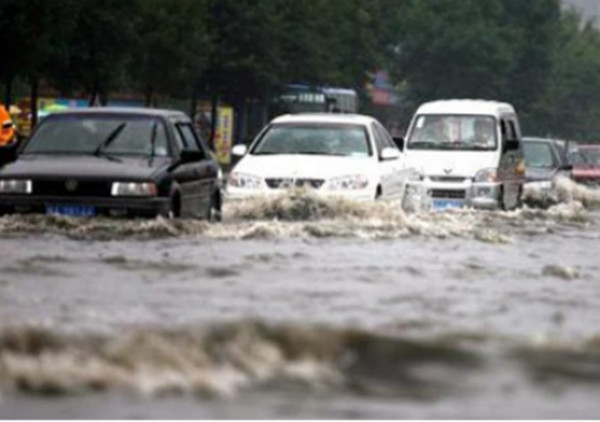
{"points": [[302, 308]]}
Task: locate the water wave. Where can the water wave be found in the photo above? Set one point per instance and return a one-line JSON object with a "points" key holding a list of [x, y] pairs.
{"points": [[226, 359], [304, 214]]}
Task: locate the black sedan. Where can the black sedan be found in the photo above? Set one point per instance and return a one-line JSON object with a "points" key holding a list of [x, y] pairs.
{"points": [[116, 162]]}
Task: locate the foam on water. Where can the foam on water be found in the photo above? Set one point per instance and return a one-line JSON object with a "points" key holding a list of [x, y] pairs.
{"points": [[300, 213], [225, 359]]}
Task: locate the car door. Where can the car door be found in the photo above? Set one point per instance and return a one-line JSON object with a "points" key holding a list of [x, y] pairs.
{"points": [[391, 183], [511, 168], [195, 178]]}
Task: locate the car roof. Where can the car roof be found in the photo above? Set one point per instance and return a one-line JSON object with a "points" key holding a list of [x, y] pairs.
{"points": [[358, 119], [139, 111], [467, 107]]}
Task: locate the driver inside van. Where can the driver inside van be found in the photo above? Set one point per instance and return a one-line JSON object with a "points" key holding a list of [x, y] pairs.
{"points": [[435, 131], [483, 133]]}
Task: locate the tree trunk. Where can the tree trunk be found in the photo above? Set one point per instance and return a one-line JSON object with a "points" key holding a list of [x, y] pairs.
{"points": [[194, 104], [33, 100], [103, 98], [149, 96], [8, 92]]}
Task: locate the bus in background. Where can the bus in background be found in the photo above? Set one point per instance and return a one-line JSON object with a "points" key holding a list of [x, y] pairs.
{"points": [[309, 99]]}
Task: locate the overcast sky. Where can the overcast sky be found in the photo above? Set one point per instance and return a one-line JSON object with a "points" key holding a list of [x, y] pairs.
{"points": [[589, 9]]}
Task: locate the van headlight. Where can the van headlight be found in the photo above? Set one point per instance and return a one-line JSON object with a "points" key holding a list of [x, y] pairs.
{"points": [[245, 181], [354, 182], [133, 189], [489, 175], [16, 186]]}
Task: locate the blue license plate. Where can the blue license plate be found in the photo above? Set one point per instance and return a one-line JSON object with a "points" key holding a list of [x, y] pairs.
{"points": [[445, 204], [71, 210]]}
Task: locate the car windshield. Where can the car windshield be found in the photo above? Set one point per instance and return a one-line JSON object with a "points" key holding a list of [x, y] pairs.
{"points": [[538, 155], [93, 134], [454, 132], [591, 156], [314, 139]]}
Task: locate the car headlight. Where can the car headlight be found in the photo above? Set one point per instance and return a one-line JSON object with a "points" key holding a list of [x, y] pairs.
{"points": [[245, 181], [133, 189], [16, 186], [414, 175], [489, 175], [355, 182]]}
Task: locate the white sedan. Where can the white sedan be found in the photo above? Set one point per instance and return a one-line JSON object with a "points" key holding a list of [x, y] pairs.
{"points": [[333, 154]]}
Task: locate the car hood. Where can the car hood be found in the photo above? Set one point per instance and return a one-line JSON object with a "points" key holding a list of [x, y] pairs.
{"points": [[80, 166], [305, 166], [586, 171], [450, 163], [539, 174]]}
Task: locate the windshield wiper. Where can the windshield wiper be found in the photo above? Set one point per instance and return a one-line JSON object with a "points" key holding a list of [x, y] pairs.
{"points": [[109, 140]]}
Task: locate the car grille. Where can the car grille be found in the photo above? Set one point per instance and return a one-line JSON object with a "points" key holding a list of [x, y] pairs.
{"points": [[448, 179], [71, 187], [284, 183], [448, 194]]}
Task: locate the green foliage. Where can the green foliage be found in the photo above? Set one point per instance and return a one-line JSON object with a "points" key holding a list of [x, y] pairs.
{"points": [[525, 52]]}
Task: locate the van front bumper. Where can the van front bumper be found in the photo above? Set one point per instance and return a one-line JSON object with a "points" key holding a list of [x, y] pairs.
{"points": [[457, 195]]}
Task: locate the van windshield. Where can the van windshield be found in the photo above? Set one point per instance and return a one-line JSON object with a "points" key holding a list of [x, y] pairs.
{"points": [[454, 132]]}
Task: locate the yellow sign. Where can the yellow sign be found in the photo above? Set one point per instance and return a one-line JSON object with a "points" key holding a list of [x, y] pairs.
{"points": [[224, 135]]}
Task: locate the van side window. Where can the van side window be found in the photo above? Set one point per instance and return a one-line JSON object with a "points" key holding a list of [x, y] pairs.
{"points": [[503, 130], [514, 129]]}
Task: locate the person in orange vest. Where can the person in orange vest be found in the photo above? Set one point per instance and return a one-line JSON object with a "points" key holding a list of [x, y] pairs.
{"points": [[7, 131]]}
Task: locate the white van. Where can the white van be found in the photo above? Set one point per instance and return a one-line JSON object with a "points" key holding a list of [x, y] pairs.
{"points": [[466, 153]]}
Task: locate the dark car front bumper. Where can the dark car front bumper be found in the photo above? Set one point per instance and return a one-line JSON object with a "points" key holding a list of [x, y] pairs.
{"points": [[103, 206]]}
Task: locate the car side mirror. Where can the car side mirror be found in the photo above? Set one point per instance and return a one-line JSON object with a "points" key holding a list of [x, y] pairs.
{"points": [[399, 143], [190, 156], [239, 150], [390, 153]]}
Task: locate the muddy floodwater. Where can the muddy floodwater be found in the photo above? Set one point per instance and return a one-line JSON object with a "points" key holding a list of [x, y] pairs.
{"points": [[298, 307]]}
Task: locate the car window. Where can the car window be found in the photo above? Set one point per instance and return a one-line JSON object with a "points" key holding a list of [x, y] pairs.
{"points": [[539, 155], [388, 141], [179, 140], [314, 139], [89, 134], [378, 138], [189, 138], [454, 132]]}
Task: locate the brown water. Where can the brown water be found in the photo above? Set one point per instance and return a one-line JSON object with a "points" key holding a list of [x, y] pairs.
{"points": [[300, 307]]}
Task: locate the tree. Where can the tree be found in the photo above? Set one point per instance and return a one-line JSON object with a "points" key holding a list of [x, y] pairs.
{"points": [[454, 49], [101, 45], [172, 47], [570, 106]]}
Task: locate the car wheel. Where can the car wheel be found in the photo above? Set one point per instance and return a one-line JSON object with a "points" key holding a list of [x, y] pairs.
{"points": [[378, 193], [174, 210]]}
